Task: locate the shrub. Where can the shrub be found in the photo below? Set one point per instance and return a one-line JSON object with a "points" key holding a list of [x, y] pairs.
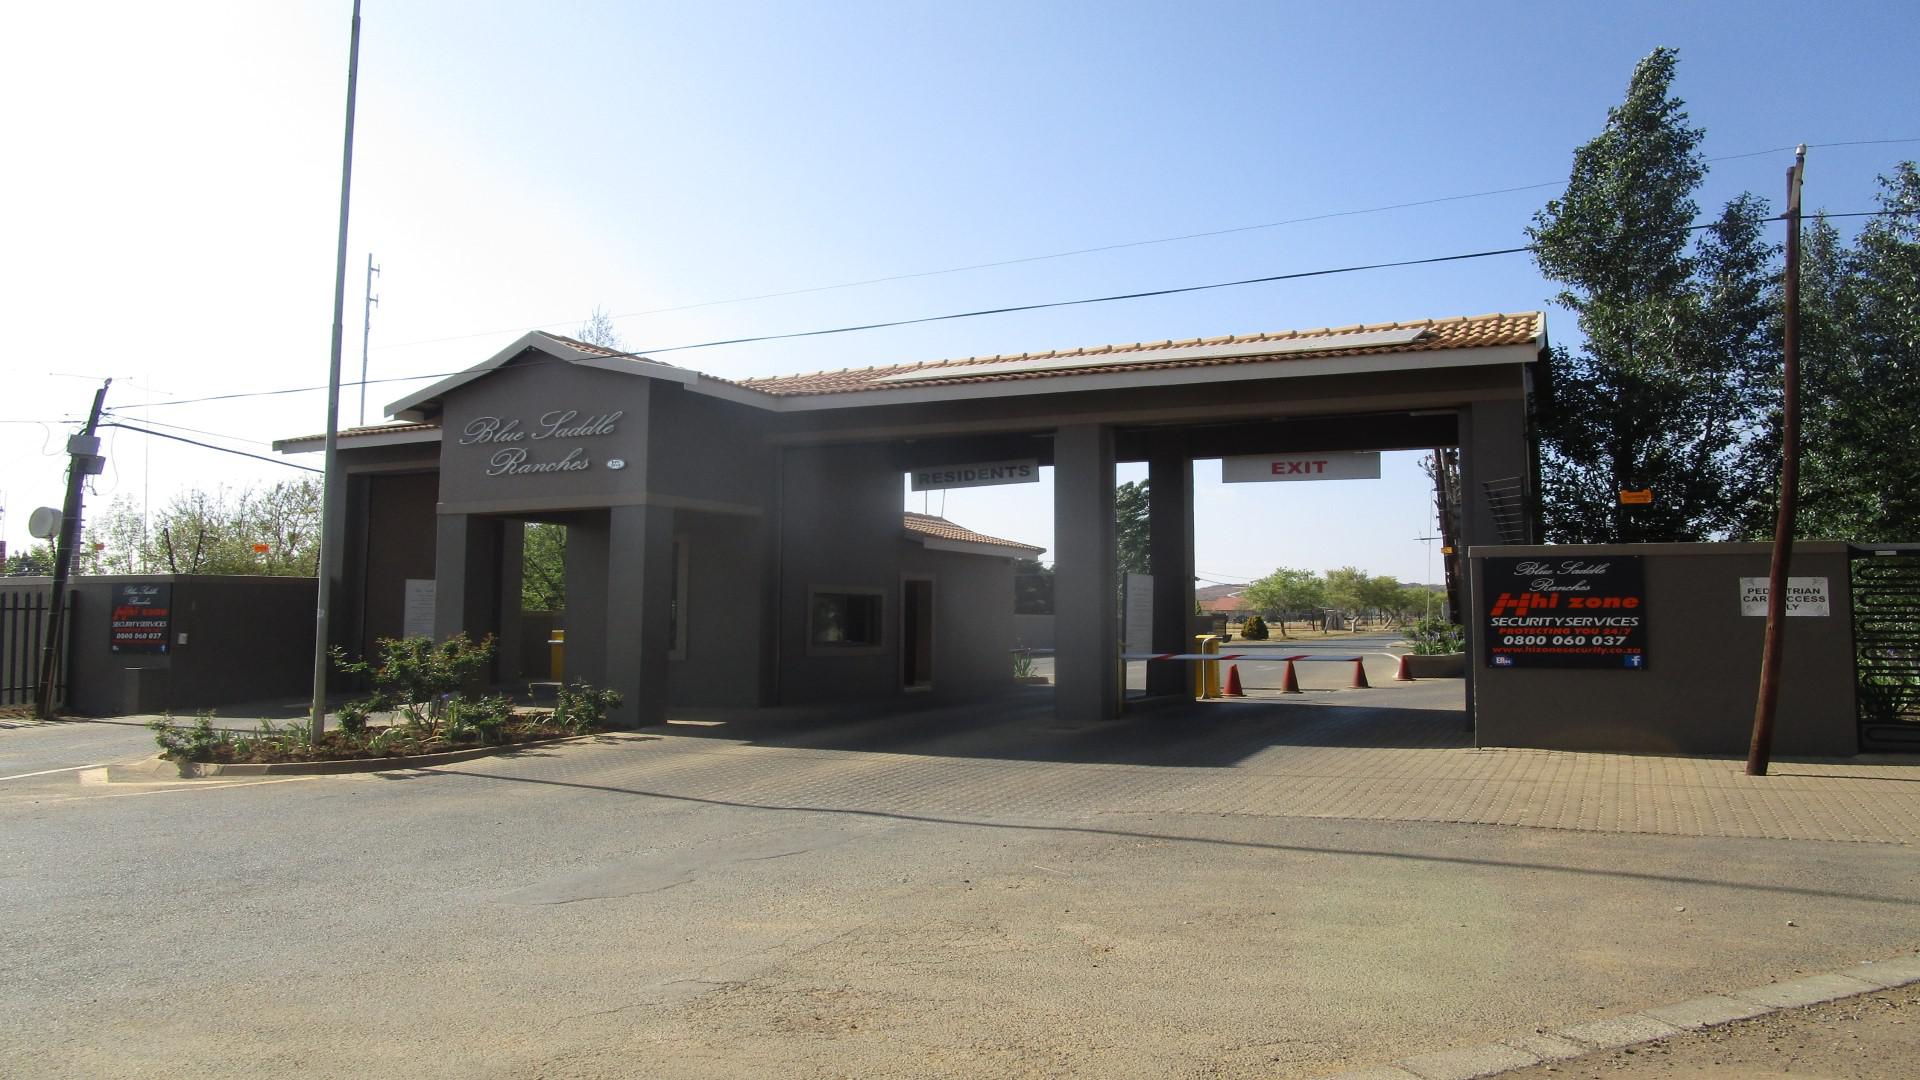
{"points": [[486, 719], [1023, 663], [412, 672], [1254, 629], [580, 708], [197, 743], [1432, 637]]}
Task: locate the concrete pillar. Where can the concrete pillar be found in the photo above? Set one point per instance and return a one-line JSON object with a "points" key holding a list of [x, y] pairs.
{"points": [[586, 615], [1086, 631], [466, 569], [1170, 555], [513, 535], [1494, 446], [638, 604]]}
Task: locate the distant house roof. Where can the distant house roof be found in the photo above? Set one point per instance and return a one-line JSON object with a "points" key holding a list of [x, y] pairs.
{"points": [[1226, 604], [942, 535]]}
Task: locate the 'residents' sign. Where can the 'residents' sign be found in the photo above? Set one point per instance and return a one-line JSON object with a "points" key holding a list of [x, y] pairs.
{"points": [[1566, 613], [1321, 466], [142, 618], [982, 474]]}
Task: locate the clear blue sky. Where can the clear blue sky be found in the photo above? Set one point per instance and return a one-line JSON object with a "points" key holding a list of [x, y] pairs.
{"points": [[170, 207]]}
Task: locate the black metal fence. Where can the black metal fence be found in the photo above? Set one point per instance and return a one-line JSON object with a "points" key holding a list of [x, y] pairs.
{"points": [[23, 630], [1886, 648]]}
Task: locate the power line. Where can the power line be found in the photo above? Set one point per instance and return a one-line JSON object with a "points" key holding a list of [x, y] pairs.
{"points": [[642, 354], [210, 446], [1120, 246], [195, 430]]}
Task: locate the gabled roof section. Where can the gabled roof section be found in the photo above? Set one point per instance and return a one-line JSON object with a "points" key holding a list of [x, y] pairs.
{"points": [[940, 534], [425, 404], [1428, 335]]}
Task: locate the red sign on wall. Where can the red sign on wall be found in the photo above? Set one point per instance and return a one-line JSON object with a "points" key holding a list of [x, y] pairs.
{"points": [[1586, 612], [142, 620]]}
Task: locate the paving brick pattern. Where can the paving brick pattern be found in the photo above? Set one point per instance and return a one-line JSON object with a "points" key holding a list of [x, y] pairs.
{"points": [[1387, 764]]}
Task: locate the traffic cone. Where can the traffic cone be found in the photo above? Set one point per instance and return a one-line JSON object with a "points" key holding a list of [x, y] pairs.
{"points": [[1403, 675], [1360, 675], [1233, 681], [1289, 682]]}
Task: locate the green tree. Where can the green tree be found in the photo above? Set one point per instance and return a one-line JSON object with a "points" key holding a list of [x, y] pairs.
{"points": [[1131, 533], [1670, 389], [543, 573], [217, 532], [1032, 587], [1860, 356], [36, 561], [1382, 594], [1347, 589], [1285, 591]]}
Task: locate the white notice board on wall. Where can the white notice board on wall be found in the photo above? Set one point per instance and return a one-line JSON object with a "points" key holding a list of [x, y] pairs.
{"points": [[1139, 625], [1806, 596], [417, 621]]}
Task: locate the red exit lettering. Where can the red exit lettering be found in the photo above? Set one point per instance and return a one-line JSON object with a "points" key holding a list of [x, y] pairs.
{"points": [[1299, 468]]}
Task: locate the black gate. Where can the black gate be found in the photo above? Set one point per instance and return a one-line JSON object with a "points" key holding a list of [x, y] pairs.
{"points": [[23, 629], [1886, 647]]}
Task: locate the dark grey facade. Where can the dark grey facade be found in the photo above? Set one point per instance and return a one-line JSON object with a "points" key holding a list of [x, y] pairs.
{"points": [[742, 543], [1696, 693]]}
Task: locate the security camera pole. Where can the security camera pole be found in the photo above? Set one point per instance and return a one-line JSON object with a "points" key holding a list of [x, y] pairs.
{"points": [[84, 460]]}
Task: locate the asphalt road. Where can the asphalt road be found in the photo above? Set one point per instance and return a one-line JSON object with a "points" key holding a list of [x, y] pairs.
{"points": [[906, 895]]}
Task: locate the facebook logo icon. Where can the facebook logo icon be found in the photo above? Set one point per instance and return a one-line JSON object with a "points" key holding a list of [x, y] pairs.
{"points": [[1634, 660]]}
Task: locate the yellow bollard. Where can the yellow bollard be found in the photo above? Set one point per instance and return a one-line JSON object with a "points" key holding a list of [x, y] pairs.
{"points": [[1206, 673], [557, 656]]}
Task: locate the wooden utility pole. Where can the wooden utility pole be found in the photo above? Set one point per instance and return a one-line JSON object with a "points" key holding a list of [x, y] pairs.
{"points": [[83, 451], [1768, 702]]}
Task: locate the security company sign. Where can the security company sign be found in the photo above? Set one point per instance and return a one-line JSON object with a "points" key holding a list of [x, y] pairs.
{"points": [[982, 474], [1563, 613], [1324, 466], [142, 618]]}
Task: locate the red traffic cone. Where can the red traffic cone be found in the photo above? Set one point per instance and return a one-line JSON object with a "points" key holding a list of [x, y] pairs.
{"points": [[1289, 682], [1403, 675], [1360, 675], [1233, 681]]}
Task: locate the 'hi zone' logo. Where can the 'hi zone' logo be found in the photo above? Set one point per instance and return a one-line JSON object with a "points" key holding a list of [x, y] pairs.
{"points": [[1525, 602]]}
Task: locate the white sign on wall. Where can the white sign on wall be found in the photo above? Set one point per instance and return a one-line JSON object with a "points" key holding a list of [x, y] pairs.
{"points": [[1139, 631], [980, 474], [1806, 596], [417, 621], [1322, 466]]}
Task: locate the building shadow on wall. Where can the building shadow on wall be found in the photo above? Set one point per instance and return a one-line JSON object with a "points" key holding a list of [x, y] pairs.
{"points": [[1022, 727]]}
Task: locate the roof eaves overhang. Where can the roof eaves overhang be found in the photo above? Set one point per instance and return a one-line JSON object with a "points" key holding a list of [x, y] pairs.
{"points": [[313, 444], [965, 547], [415, 406], [1247, 371]]}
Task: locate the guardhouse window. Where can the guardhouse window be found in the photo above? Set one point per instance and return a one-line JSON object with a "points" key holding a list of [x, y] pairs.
{"points": [[843, 618]]}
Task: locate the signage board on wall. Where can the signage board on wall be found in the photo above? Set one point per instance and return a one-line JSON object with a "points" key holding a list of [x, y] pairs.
{"points": [[142, 619], [1806, 596], [1139, 625], [979, 474], [1261, 468], [416, 619], [1565, 612]]}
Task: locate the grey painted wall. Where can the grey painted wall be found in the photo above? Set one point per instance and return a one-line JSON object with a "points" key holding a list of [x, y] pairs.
{"points": [[1696, 695], [248, 639]]}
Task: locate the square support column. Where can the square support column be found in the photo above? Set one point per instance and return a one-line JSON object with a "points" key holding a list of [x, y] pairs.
{"points": [[1170, 555], [1086, 630], [638, 626], [466, 570]]}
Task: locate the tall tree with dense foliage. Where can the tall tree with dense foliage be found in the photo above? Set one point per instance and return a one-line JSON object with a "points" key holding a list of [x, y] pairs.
{"points": [[1860, 355], [218, 532], [1131, 531], [1670, 389], [1285, 591]]}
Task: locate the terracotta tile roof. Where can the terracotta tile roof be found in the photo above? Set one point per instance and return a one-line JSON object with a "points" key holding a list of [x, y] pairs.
{"points": [[941, 528], [1440, 334], [371, 429], [602, 350]]}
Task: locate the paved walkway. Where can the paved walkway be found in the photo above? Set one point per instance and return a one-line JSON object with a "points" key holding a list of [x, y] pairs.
{"points": [[1403, 757]]}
